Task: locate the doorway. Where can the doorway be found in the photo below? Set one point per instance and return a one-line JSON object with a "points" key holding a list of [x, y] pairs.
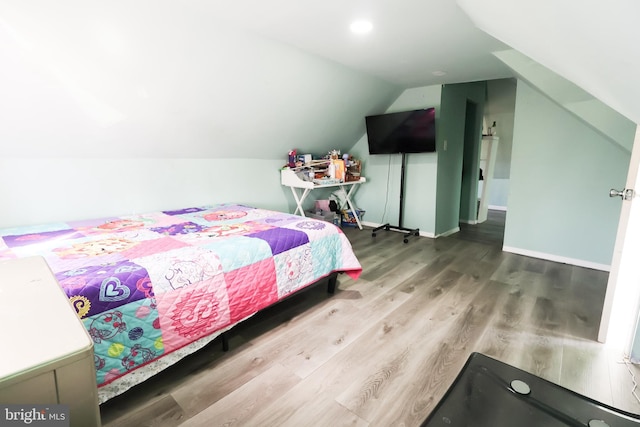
{"points": [[470, 165]]}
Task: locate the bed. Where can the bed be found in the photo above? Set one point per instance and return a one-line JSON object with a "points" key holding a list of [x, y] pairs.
{"points": [[153, 288]]}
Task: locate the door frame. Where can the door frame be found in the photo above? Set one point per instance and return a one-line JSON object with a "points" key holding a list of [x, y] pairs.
{"points": [[622, 297]]}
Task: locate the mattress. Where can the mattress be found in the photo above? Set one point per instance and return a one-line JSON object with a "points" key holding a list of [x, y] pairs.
{"points": [[154, 287]]}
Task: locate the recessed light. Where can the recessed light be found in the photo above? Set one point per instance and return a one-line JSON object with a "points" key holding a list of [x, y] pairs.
{"points": [[361, 27], [438, 73]]}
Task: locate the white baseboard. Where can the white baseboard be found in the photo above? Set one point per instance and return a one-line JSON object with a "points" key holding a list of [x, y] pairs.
{"points": [[470, 222], [422, 233], [557, 258], [497, 208], [449, 232], [370, 224]]}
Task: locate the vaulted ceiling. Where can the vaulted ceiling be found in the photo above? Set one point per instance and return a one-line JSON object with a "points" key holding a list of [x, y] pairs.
{"points": [[410, 40], [591, 43], [254, 78]]}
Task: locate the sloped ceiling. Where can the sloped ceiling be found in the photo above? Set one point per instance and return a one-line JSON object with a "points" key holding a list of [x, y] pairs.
{"points": [[163, 79], [214, 79], [616, 128], [253, 79], [591, 43], [410, 39]]}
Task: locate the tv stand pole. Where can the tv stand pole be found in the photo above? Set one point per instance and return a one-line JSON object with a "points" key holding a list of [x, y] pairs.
{"points": [[407, 231]]}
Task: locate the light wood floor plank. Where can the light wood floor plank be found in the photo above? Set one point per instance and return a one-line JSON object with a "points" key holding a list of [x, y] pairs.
{"points": [[384, 349], [625, 381], [585, 370], [238, 407]]}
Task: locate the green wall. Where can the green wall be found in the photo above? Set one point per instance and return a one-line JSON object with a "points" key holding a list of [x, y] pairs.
{"points": [[51, 190], [379, 197], [449, 175], [433, 183], [561, 173]]}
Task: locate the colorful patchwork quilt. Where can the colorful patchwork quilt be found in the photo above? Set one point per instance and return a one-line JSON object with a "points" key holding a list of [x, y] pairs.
{"points": [[146, 286]]}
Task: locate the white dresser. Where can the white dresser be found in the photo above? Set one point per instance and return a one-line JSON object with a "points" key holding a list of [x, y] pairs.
{"points": [[46, 355]]}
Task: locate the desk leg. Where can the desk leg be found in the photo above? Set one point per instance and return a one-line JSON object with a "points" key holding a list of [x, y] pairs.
{"points": [[299, 199], [347, 196]]}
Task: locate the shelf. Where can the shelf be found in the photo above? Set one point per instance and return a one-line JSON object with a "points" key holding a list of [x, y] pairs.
{"points": [[301, 189], [290, 178]]}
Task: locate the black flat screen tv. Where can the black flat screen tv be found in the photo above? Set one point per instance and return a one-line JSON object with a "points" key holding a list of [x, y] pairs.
{"points": [[404, 132]]}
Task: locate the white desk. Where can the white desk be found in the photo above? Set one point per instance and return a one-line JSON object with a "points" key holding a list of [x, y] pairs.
{"points": [[48, 357], [301, 190]]}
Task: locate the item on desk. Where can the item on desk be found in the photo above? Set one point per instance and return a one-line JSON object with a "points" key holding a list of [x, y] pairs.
{"points": [[326, 181], [292, 158], [331, 171], [339, 169], [307, 159], [353, 170], [305, 175]]}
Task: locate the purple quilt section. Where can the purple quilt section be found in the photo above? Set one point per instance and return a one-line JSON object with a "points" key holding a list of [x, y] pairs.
{"points": [[178, 229], [280, 219], [183, 211], [281, 239], [35, 238], [95, 289]]}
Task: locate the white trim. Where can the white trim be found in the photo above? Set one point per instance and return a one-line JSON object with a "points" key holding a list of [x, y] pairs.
{"points": [[557, 258], [470, 222], [426, 234], [497, 208], [371, 224], [449, 233]]}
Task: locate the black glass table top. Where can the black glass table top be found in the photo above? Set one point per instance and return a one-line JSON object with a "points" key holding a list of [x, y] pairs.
{"points": [[490, 393]]}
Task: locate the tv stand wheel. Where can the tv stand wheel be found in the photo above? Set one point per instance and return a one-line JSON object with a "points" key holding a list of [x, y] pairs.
{"points": [[406, 240], [373, 234], [387, 228], [416, 233]]}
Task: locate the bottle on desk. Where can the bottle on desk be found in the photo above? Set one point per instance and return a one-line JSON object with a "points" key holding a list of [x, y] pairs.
{"points": [[331, 171]]}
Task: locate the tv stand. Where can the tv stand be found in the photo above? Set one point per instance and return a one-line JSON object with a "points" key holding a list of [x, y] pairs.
{"points": [[408, 232]]}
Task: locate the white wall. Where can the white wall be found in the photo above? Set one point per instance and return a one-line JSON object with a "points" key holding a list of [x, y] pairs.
{"points": [[101, 101], [140, 79], [590, 43], [500, 107]]}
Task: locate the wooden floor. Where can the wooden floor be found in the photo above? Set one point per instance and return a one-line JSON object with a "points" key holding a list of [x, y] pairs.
{"points": [[383, 350]]}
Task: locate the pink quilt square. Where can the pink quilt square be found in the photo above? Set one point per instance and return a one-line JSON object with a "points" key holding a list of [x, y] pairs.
{"points": [[155, 246], [192, 312], [251, 288]]}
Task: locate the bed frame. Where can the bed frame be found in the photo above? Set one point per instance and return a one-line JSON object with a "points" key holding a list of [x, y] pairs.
{"points": [[332, 281], [153, 288]]}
